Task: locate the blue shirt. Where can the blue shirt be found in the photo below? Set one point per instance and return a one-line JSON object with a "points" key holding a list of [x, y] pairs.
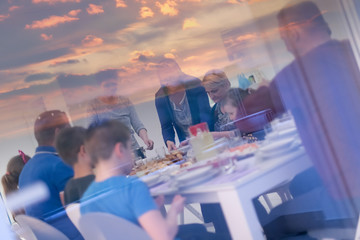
{"points": [[125, 197], [47, 167]]}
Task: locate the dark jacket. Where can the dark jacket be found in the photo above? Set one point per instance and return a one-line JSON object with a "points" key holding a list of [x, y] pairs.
{"points": [[199, 108]]}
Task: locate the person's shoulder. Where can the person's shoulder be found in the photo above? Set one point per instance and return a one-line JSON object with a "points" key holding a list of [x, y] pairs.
{"points": [[136, 183], [191, 82], [160, 93]]}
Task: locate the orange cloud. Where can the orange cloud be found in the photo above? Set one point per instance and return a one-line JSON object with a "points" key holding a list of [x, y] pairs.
{"points": [[91, 41], [94, 9], [141, 56], [236, 1], [243, 1], [3, 17], [74, 13], [168, 8], [120, 3], [51, 21], [190, 58], [13, 8], [46, 37], [169, 55], [190, 23], [54, 1], [246, 37], [146, 12]]}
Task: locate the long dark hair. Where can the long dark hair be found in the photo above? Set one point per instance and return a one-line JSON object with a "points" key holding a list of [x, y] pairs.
{"points": [[14, 167]]}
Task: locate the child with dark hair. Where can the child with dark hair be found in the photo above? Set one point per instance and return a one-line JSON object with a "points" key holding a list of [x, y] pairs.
{"points": [[10, 180], [70, 146]]}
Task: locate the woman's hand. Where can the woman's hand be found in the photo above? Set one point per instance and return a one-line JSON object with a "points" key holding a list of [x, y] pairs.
{"points": [[148, 142], [170, 145]]}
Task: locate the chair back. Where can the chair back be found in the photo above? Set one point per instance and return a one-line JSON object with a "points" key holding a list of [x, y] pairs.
{"points": [[36, 228], [104, 226], [73, 212], [357, 234]]}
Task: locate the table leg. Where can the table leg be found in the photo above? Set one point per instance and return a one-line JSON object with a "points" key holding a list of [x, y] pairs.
{"points": [[240, 216]]}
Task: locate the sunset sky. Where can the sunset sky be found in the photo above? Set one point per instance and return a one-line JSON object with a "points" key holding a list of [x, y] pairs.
{"points": [[46, 44]]}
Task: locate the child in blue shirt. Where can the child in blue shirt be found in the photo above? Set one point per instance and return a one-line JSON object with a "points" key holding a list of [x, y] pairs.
{"points": [[109, 147]]}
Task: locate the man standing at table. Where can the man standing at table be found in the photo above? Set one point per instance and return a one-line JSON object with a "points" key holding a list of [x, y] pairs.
{"points": [[321, 88], [47, 167]]}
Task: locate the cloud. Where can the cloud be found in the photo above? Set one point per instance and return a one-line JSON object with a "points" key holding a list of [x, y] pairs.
{"points": [[91, 41], [190, 58], [169, 55], [13, 8], [74, 13], [120, 3], [190, 23], [67, 62], [51, 21], [46, 37], [3, 17], [38, 77], [94, 9], [168, 8], [236, 1], [146, 12], [75, 80], [142, 56], [54, 1], [244, 1], [31, 57]]}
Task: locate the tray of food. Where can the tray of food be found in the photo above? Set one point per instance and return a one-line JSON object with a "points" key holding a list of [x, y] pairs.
{"points": [[154, 165]]}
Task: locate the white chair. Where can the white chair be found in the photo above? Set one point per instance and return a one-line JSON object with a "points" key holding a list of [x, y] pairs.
{"points": [[73, 212], [32, 228], [357, 234], [104, 226]]}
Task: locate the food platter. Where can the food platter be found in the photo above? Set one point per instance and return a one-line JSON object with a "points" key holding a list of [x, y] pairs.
{"points": [[154, 165]]}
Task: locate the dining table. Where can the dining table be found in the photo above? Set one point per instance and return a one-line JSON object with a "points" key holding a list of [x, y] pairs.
{"points": [[235, 190]]}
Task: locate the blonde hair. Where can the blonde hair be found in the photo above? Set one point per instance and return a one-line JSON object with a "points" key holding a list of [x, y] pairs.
{"points": [[216, 78]]}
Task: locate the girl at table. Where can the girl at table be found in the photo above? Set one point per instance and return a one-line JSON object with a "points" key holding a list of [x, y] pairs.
{"points": [[250, 124], [10, 180]]}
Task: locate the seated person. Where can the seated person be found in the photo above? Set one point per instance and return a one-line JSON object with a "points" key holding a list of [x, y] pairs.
{"points": [[10, 180], [249, 125], [109, 147], [47, 167], [216, 84], [70, 146]]}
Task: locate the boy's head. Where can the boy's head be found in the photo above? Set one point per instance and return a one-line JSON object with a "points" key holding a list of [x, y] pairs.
{"points": [[69, 143], [48, 124], [107, 139]]}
